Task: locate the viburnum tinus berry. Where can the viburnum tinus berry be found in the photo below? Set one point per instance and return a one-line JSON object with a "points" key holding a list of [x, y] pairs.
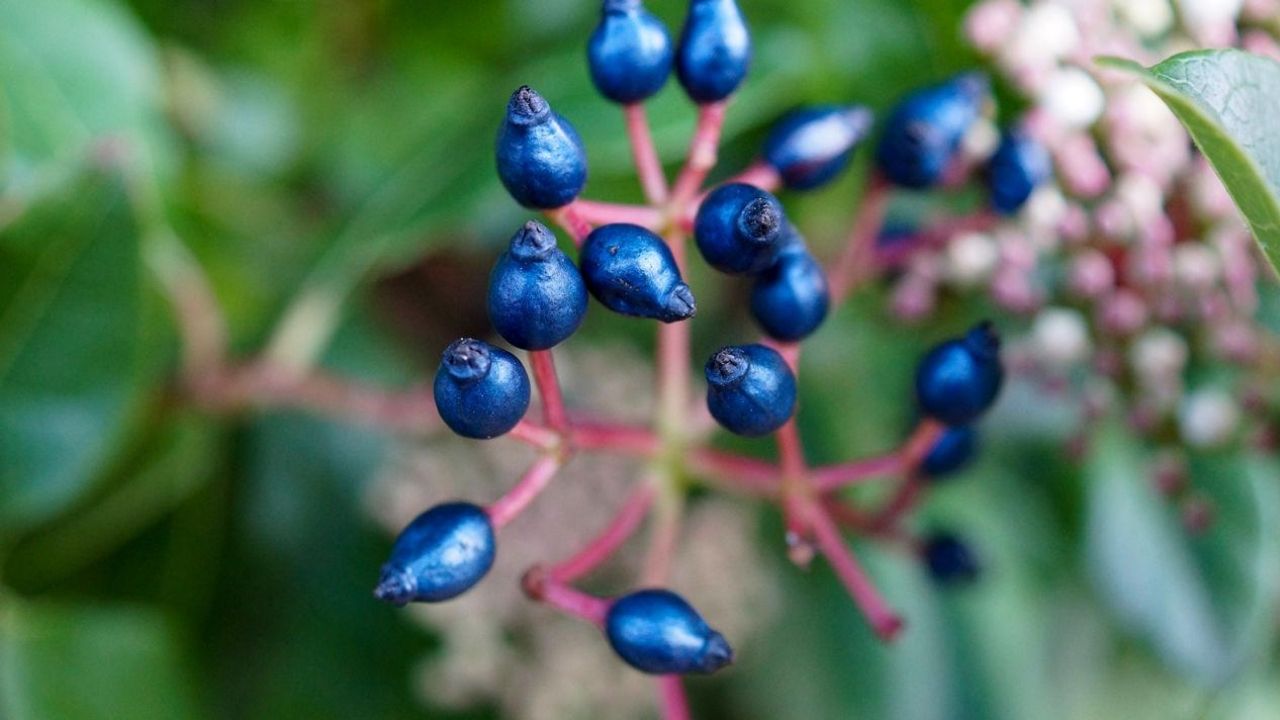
{"points": [[629, 53], [923, 133], [440, 555], [657, 632], [809, 146], [480, 391], [950, 560], [631, 271], [541, 160], [1018, 167], [959, 379], [738, 228], [536, 295], [951, 452], [714, 51], [750, 389], [790, 299]]}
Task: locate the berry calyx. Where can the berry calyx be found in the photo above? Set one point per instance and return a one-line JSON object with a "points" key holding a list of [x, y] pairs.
{"points": [[658, 632], [790, 299], [537, 297], [541, 160], [959, 379], [714, 52], [950, 560], [440, 555], [738, 227], [923, 133], [750, 389], [809, 147], [1018, 167], [480, 391], [951, 453], [631, 271], [629, 53]]}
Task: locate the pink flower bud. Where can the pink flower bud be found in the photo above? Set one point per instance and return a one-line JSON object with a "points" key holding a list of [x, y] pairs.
{"points": [[1123, 313], [1090, 274]]}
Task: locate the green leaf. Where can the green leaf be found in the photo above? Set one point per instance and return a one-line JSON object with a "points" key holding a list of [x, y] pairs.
{"points": [[1228, 100]]}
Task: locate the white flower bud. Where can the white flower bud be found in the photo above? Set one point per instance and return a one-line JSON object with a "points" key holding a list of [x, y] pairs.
{"points": [[1158, 356], [970, 259], [1149, 18], [1060, 338], [1073, 97], [981, 140], [1208, 418], [1046, 34], [1196, 266]]}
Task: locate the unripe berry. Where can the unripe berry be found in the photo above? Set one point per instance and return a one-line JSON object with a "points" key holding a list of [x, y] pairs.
{"points": [[809, 146], [950, 560], [738, 228], [1020, 165], [657, 632], [440, 555], [480, 391], [923, 134], [629, 53], [537, 297], [959, 379], [951, 453], [541, 160], [631, 271], [714, 52], [790, 299], [750, 389]]}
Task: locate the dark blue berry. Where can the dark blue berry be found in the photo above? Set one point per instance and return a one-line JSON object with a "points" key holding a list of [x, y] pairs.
{"points": [[657, 632], [959, 379], [714, 52], [541, 160], [738, 228], [631, 271], [440, 555], [950, 560], [1019, 166], [750, 389], [923, 133], [808, 147], [481, 391], [790, 299], [629, 52], [951, 452], [536, 294]]}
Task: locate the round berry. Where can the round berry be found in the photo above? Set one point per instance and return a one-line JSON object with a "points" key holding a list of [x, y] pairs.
{"points": [[631, 271], [1019, 166], [923, 133], [629, 53], [440, 555], [789, 300], [714, 52], [738, 228], [808, 147], [480, 391], [536, 294], [657, 632], [541, 160], [959, 379], [750, 389], [950, 560], [951, 452]]}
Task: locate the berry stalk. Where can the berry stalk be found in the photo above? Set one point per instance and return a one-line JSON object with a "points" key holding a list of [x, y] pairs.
{"points": [[623, 525], [675, 703], [564, 598], [854, 265], [544, 376], [883, 619], [648, 167], [604, 213], [535, 480], [702, 153]]}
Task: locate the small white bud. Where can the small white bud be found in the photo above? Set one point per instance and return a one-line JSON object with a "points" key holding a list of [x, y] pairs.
{"points": [[1060, 338], [1196, 266], [1149, 18], [970, 259], [1158, 356], [1073, 97], [1208, 418]]}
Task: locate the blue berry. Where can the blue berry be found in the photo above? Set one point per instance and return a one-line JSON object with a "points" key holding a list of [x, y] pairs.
{"points": [[536, 294], [951, 452], [959, 379], [714, 52], [950, 560], [541, 160], [481, 391], [923, 133], [750, 389], [440, 555], [808, 147], [629, 53], [790, 299], [1019, 166], [657, 632], [738, 228], [631, 271]]}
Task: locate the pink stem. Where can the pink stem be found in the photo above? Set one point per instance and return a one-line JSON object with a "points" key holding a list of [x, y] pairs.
{"points": [[602, 213], [790, 352], [759, 174], [883, 619], [621, 439], [794, 490], [618, 531], [854, 263], [535, 480], [534, 434], [648, 167], [544, 376], [864, 524], [702, 152], [741, 473], [904, 460], [791, 451], [572, 221], [675, 704], [539, 586], [900, 504], [673, 349]]}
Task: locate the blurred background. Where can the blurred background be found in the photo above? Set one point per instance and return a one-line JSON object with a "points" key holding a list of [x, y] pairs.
{"points": [[329, 166]]}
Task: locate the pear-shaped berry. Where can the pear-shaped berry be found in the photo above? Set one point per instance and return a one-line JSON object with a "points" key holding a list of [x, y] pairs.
{"points": [[954, 450], [950, 560], [923, 133], [629, 53], [714, 53], [631, 271], [440, 555], [657, 632], [809, 147], [738, 228], [1019, 166], [536, 294], [750, 389], [790, 299], [480, 391], [541, 160], [960, 379]]}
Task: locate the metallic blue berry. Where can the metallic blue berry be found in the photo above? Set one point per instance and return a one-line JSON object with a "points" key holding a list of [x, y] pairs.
{"points": [[631, 271], [955, 449], [738, 228], [789, 300], [950, 560], [657, 632], [714, 52], [536, 294], [960, 379], [629, 53], [481, 391], [809, 146], [541, 160], [1019, 166], [440, 555], [923, 133], [750, 389]]}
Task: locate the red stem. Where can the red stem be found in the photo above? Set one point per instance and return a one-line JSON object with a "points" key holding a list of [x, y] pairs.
{"points": [[883, 619], [648, 166], [535, 480], [564, 598], [675, 704], [544, 375], [623, 525], [603, 213], [740, 473], [904, 460], [572, 221], [702, 152], [534, 434], [621, 439], [855, 262], [759, 174]]}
